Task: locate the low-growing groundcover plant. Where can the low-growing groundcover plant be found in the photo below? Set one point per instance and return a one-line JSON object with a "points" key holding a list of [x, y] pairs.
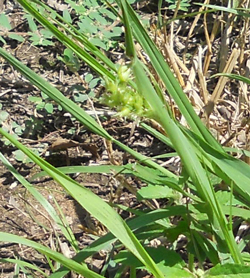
{"points": [[204, 212]]}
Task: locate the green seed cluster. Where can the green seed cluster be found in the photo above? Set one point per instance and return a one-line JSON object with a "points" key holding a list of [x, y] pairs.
{"points": [[125, 99]]}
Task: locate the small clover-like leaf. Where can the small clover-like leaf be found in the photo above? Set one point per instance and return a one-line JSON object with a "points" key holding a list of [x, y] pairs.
{"points": [[3, 116], [16, 37], [49, 108], [88, 77], [80, 97], [20, 156], [67, 16], [35, 99], [5, 24]]}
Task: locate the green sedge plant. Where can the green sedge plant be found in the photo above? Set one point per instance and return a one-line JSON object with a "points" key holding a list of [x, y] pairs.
{"points": [[205, 163]]}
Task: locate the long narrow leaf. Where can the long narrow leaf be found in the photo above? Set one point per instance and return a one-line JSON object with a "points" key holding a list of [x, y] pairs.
{"points": [[76, 35], [39, 197], [77, 267], [225, 9], [189, 159], [134, 224], [173, 87], [76, 111], [67, 41], [95, 206]]}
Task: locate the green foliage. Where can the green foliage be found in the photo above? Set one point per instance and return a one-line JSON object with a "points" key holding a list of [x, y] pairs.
{"points": [[21, 157], [70, 60], [228, 270], [92, 18], [158, 192], [5, 24], [184, 4], [42, 103], [94, 21], [3, 116], [38, 36], [125, 99], [168, 261]]}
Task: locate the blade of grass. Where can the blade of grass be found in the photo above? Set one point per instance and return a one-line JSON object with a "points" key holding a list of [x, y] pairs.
{"points": [[187, 153], [146, 174], [130, 50], [168, 78], [67, 41], [45, 204], [233, 76], [76, 111], [225, 166], [78, 36], [95, 206], [24, 264], [166, 140], [190, 161], [225, 9], [71, 264], [134, 224]]}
